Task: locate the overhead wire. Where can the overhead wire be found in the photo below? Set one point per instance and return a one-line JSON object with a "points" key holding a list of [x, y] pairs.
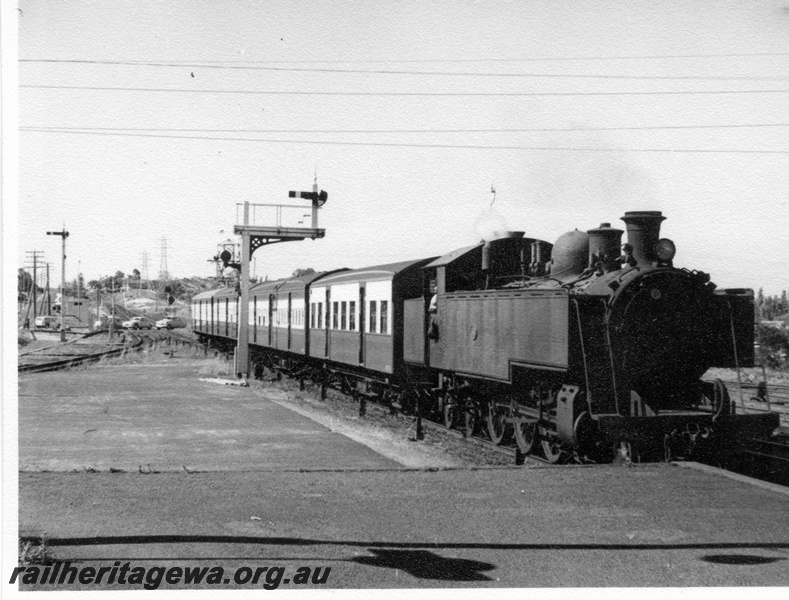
{"points": [[420, 73], [482, 60], [402, 94], [374, 131], [405, 145]]}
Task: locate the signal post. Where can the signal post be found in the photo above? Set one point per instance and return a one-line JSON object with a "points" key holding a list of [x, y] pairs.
{"points": [[63, 235], [254, 237]]}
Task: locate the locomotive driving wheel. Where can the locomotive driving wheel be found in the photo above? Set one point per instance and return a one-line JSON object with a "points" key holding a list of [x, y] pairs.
{"points": [[496, 423], [473, 418], [525, 435], [551, 446], [450, 410]]}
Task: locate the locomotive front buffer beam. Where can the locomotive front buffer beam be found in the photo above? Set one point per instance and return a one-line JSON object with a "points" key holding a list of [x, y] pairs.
{"points": [[681, 436]]}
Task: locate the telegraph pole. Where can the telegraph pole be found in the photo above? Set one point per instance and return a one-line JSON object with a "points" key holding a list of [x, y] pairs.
{"points": [[63, 235], [79, 292], [112, 311], [35, 255]]}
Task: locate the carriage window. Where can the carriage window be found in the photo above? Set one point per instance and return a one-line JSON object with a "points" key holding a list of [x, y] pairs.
{"points": [[344, 315], [352, 315], [384, 316], [335, 315], [320, 315], [373, 316]]}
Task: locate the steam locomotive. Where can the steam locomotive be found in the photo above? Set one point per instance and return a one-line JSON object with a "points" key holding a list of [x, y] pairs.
{"points": [[585, 349]]}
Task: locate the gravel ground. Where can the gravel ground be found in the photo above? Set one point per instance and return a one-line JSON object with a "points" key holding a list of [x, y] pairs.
{"points": [[391, 435]]}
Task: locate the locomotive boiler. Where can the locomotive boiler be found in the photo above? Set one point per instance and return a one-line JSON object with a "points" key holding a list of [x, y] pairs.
{"points": [[588, 348]]}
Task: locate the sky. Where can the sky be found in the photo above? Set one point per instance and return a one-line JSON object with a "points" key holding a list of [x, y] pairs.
{"points": [[142, 124]]}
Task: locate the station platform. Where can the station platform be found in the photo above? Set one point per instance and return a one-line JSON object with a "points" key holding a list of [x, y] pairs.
{"points": [[146, 463]]}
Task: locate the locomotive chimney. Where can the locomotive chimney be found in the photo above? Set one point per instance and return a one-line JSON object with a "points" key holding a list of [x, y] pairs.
{"points": [[643, 232], [604, 246], [490, 254]]}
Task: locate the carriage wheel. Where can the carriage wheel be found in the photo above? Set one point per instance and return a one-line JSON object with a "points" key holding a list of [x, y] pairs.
{"points": [[497, 427]]}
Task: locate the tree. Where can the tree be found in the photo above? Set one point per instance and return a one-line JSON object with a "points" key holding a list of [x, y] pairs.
{"points": [[118, 279], [774, 347], [136, 275], [300, 272], [24, 282]]}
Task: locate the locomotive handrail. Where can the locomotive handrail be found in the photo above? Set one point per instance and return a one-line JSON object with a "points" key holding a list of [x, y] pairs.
{"points": [[611, 355], [736, 360], [583, 349]]}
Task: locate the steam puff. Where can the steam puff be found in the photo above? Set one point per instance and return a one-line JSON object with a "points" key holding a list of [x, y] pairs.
{"points": [[490, 225], [613, 182]]}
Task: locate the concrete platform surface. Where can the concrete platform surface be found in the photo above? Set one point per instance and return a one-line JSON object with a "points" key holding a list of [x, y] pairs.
{"points": [[162, 415], [579, 527], [353, 510]]}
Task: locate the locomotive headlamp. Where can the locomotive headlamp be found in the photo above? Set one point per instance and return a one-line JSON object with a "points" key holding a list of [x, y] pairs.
{"points": [[665, 250]]}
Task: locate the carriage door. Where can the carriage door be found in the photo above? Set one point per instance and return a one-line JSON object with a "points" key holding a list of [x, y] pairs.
{"points": [[270, 318], [255, 320], [290, 316], [328, 320], [361, 324], [227, 317]]}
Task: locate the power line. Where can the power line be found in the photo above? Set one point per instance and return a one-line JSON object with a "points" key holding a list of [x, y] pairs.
{"points": [[434, 146], [506, 130], [402, 94], [476, 60], [429, 73]]}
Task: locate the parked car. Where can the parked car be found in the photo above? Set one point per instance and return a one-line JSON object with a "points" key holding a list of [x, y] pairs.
{"points": [[48, 322], [138, 323], [170, 323], [53, 322]]}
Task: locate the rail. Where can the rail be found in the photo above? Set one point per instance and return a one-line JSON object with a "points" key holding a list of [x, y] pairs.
{"points": [[72, 360]]}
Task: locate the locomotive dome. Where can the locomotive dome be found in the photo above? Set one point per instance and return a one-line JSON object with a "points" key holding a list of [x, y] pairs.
{"points": [[570, 255]]}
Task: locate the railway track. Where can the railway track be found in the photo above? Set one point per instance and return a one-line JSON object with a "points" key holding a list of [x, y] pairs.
{"points": [[72, 353], [777, 393], [766, 459], [86, 349], [510, 450], [747, 400]]}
